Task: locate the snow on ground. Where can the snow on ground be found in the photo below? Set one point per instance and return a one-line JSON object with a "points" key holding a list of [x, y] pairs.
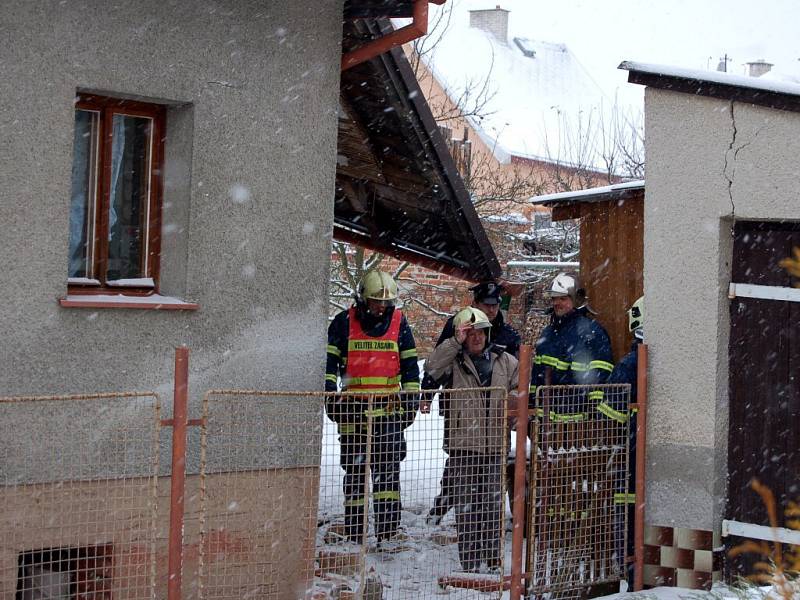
{"points": [[430, 550], [718, 592]]}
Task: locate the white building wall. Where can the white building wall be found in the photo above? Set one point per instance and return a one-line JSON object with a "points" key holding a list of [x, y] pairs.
{"points": [[248, 194], [709, 162]]}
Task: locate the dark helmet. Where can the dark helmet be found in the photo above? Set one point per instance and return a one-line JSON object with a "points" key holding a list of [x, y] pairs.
{"points": [[488, 292]]}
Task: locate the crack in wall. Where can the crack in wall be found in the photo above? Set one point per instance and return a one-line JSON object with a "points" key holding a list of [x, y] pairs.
{"points": [[736, 150], [733, 172]]}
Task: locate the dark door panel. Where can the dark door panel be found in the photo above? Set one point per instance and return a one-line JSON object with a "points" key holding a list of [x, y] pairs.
{"points": [[764, 379]]}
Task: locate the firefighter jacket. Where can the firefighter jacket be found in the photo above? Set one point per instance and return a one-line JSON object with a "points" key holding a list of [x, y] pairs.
{"points": [[476, 420], [625, 372], [371, 354], [577, 351]]}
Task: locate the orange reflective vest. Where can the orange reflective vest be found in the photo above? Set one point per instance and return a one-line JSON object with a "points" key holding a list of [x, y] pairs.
{"points": [[373, 363]]}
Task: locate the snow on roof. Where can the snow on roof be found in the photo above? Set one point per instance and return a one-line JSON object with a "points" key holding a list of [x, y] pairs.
{"points": [[778, 83], [514, 218], [539, 93], [588, 193], [786, 72]]}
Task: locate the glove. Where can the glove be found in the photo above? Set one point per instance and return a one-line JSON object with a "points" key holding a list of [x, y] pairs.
{"points": [[389, 403]]}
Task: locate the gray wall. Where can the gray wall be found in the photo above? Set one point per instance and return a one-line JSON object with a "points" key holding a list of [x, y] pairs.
{"points": [[253, 88], [708, 162]]}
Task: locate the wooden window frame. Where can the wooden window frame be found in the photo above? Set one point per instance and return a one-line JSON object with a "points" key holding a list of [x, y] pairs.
{"points": [[107, 107]]}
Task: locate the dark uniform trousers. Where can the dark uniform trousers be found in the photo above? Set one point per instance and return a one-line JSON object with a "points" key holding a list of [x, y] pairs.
{"points": [[476, 487], [387, 451], [445, 500]]}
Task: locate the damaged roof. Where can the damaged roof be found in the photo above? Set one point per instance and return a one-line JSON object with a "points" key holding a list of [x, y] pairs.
{"points": [[397, 187]]}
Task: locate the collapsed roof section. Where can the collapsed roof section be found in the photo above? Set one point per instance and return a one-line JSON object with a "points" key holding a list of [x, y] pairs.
{"points": [[397, 187]]}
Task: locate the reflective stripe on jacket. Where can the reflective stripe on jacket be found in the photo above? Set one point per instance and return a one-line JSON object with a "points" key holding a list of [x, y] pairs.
{"points": [[578, 352], [373, 363]]}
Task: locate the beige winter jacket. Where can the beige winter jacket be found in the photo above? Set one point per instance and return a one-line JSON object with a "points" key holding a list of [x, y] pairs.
{"points": [[476, 423]]}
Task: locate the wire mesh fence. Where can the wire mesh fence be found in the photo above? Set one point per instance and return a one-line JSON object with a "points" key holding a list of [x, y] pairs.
{"points": [[579, 496], [79, 515], [258, 491], [412, 504], [312, 495], [350, 496]]}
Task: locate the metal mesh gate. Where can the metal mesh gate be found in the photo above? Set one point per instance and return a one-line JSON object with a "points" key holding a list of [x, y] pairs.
{"points": [[579, 497]]}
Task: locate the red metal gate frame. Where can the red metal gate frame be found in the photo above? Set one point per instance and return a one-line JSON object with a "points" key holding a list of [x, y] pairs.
{"points": [[179, 424]]}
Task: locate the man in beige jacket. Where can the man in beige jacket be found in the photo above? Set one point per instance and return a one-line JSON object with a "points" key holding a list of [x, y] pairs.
{"points": [[477, 432]]}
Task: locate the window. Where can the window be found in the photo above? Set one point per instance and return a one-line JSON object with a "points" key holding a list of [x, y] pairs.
{"points": [[78, 572], [114, 220]]}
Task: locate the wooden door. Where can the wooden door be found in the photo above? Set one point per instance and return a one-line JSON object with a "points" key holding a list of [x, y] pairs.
{"points": [[764, 380]]}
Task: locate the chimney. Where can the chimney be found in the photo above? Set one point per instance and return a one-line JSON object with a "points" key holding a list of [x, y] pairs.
{"points": [[758, 67], [492, 20]]}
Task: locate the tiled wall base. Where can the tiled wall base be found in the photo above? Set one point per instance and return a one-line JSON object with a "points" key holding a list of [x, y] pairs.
{"points": [[679, 557]]}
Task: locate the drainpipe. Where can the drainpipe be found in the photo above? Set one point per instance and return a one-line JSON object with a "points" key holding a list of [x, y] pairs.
{"points": [[417, 28]]}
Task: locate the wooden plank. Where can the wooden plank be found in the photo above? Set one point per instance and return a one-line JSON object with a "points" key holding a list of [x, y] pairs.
{"points": [[564, 213], [761, 532], [764, 292], [612, 264]]}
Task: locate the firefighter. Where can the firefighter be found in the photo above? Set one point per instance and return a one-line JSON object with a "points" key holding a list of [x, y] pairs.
{"points": [[477, 428], [486, 297], [371, 348], [626, 372], [572, 350]]}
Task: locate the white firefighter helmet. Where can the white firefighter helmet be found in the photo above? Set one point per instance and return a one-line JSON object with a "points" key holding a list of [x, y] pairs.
{"points": [[472, 315], [565, 284], [636, 318], [377, 285]]}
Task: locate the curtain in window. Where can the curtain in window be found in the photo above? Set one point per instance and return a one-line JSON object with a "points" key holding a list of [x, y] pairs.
{"points": [[117, 153], [82, 187]]}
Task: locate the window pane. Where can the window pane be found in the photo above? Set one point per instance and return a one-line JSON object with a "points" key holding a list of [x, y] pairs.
{"points": [[129, 197], [84, 193]]}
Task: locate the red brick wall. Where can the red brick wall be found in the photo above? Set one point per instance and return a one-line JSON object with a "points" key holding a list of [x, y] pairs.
{"points": [[428, 298]]}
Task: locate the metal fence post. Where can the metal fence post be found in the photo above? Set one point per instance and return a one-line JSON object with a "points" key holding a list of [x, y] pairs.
{"points": [[518, 506], [178, 475], [641, 447]]}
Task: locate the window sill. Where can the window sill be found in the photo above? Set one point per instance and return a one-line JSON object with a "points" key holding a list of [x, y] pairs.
{"points": [[151, 302]]}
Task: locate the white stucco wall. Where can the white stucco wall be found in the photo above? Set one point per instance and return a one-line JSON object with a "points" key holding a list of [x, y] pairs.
{"points": [[709, 162], [253, 90]]}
